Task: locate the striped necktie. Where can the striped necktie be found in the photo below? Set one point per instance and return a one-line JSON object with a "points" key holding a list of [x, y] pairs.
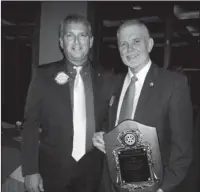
{"points": [[128, 100]]}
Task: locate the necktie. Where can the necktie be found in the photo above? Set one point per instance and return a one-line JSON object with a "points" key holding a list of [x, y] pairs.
{"points": [[79, 117], [127, 104]]}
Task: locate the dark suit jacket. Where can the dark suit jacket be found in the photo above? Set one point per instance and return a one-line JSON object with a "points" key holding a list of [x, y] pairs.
{"points": [[165, 103], [49, 105]]}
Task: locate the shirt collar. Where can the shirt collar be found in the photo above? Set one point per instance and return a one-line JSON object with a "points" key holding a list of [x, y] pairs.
{"points": [[142, 73], [72, 71]]}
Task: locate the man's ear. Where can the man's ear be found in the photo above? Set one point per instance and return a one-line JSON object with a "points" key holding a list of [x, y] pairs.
{"points": [[91, 41], [150, 44], [61, 42]]}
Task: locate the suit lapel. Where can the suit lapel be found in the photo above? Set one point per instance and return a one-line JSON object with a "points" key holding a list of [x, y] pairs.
{"points": [[64, 91], [146, 91], [114, 104], [95, 81]]}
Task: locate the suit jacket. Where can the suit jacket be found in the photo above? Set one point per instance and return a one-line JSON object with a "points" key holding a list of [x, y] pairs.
{"points": [[49, 105], [164, 103]]}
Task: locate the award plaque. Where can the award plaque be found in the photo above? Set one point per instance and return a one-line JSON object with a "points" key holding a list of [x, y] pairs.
{"points": [[133, 157]]}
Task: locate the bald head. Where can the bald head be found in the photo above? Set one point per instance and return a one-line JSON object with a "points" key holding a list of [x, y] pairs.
{"points": [[136, 23]]}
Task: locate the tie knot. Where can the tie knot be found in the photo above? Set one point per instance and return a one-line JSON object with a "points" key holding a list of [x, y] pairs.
{"points": [[78, 69], [134, 78]]}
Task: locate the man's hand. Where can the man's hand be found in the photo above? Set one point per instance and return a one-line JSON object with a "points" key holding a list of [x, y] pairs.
{"points": [[33, 183], [98, 141], [159, 190]]}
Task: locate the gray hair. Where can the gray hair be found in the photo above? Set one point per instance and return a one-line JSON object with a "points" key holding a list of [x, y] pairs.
{"points": [[135, 23], [74, 18]]}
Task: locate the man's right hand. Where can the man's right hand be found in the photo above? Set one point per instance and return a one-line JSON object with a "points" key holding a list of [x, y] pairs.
{"points": [[33, 183], [98, 141]]}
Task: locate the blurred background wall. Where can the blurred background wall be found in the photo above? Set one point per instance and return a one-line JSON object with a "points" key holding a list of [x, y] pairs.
{"points": [[52, 13]]}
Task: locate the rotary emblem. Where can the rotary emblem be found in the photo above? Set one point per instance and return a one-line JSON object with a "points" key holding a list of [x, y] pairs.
{"points": [[128, 138]]}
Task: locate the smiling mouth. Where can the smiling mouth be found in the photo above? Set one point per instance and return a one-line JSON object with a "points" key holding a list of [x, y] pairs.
{"points": [[76, 50], [130, 57]]}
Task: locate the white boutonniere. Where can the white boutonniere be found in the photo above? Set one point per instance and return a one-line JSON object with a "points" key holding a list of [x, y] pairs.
{"points": [[61, 78]]}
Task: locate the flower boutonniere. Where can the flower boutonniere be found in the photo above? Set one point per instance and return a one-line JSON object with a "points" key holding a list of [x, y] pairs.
{"points": [[61, 78]]}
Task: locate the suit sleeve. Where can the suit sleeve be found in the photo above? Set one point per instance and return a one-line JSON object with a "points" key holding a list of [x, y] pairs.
{"points": [[181, 125], [30, 133]]}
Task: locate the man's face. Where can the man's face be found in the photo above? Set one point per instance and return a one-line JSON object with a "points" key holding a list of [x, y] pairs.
{"points": [[76, 43], [134, 46]]}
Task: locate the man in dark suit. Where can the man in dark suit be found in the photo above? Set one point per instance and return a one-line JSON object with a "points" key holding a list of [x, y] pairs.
{"points": [[68, 99], [161, 99]]}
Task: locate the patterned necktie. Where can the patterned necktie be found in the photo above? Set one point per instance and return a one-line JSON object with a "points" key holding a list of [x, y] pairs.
{"points": [[79, 117], [127, 104]]}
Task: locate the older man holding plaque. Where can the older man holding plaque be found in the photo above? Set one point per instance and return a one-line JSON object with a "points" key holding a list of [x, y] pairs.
{"points": [[152, 97]]}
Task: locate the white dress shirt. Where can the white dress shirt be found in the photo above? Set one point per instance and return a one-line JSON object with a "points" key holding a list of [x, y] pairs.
{"points": [[141, 75]]}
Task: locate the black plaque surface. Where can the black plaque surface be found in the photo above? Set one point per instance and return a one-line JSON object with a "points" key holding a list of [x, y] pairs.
{"points": [[134, 165]]}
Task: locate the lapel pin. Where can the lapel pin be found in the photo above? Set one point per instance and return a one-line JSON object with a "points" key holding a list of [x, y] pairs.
{"points": [[112, 99], [151, 84]]}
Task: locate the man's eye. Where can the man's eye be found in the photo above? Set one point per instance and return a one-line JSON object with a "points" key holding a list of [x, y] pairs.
{"points": [[122, 44], [69, 36], [137, 41], [83, 35]]}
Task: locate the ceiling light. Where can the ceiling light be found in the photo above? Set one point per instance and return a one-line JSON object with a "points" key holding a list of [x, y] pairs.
{"points": [[137, 7]]}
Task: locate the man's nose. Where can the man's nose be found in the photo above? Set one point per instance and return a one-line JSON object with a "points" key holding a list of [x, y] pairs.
{"points": [[76, 43], [76, 40], [130, 48]]}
